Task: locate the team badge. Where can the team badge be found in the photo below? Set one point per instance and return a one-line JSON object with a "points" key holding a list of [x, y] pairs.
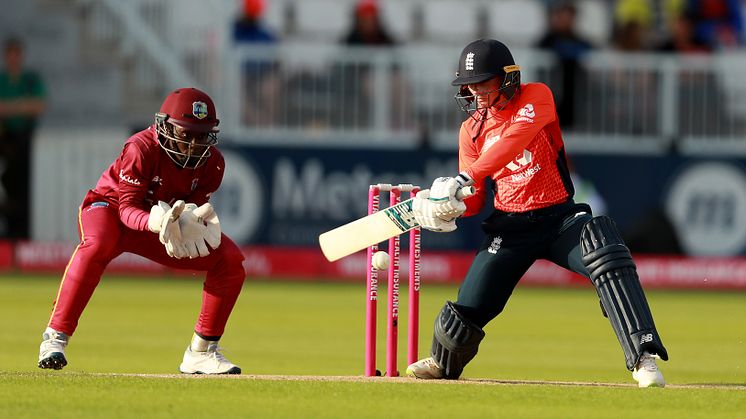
{"points": [[469, 61], [199, 109], [194, 183]]}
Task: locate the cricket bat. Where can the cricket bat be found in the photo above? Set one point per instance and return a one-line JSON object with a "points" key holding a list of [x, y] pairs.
{"points": [[374, 228]]}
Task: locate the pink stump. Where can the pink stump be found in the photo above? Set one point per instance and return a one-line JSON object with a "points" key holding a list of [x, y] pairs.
{"points": [[392, 335], [371, 293], [415, 252]]}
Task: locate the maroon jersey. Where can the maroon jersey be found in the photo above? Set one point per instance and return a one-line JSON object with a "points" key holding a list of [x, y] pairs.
{"points": [[520, 147], [144, 174]]}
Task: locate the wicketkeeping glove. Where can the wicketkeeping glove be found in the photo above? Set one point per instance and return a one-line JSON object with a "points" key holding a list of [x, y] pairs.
{"points": [[424, 211], [199, 227], [164, 221], [210, 218]]}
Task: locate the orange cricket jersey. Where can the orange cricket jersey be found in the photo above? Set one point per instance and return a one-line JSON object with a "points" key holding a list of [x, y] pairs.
{"points": [[520, 147]]}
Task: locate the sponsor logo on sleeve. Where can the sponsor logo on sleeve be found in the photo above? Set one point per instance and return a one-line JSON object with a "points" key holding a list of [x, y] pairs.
{"points": [[127, 178], [526, 114]]}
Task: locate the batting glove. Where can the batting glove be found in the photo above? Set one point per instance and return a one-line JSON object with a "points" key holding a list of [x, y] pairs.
{"points": [[443, 193], [424, 210]]}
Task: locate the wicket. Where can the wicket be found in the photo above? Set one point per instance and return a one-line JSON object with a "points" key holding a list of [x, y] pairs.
{"points": [[392, 331]]}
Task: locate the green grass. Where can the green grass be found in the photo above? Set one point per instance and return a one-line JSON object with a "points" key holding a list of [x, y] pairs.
{"points": [[142, 325]]}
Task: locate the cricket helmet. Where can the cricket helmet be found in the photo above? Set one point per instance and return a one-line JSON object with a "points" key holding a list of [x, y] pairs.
{"points": [[187, 127], [483, 60]]}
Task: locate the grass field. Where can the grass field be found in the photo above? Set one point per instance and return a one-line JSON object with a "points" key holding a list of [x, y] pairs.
{"points": [[551, 354]]}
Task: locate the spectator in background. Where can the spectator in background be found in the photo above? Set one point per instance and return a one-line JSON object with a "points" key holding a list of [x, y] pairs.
{"points": [[623, 85], [681, 38], [717, 23], [261, 78], [22, 101], [562, 39], [367, 27], [249, 27], [356, 79], [632, 21]]}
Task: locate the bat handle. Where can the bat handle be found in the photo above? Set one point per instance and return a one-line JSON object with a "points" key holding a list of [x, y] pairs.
{"points": [[465, 192]]}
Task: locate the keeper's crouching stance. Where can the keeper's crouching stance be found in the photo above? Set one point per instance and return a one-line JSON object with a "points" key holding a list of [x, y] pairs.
{"points": [[173, 161], [513, 139]]}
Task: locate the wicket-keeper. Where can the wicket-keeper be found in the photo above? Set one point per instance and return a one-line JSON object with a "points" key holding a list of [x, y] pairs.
{"points": [[153, 201]]}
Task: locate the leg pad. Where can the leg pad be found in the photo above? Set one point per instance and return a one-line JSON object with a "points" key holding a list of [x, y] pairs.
{"points": [[614, 275], [455, 341]]}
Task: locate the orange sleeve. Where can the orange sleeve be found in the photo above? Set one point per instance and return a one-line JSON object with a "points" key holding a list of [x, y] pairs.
{"points": [[467, 155], [536, 110]]}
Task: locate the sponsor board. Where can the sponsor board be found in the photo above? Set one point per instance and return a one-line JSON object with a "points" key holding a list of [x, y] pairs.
{"points": [[309, 264]]}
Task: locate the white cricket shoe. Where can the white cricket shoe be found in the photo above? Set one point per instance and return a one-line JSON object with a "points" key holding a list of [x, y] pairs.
{"points": [[646, 372], [52, 349], [208, 362], [425, 369]]}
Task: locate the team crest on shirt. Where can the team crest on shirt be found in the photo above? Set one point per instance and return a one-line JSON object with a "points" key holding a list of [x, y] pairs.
{"points": [[194, 183], [495, 245], [199, 110]]}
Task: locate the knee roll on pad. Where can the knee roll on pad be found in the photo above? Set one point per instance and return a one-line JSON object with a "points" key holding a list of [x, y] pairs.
{"points": [[455, 341], [614, 275]]}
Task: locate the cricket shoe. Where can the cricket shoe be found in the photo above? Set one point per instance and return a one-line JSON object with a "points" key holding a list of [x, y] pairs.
{"points": [[52, 350], [209, 362], [425, 369], [646, 372]]}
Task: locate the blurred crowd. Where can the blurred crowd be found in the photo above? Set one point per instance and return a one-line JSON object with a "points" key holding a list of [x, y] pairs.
{"points": [[637, 25], [666, 26]]}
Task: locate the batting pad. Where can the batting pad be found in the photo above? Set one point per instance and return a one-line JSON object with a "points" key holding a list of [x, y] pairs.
{"points": [[614, 275], [455, 341]]}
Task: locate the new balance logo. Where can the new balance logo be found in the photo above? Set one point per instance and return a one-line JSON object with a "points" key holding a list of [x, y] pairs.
{"points": [[646, 338], [469, 61]]}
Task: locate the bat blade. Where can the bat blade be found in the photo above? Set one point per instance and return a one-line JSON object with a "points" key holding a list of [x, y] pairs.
{"points": [[367, 231]]}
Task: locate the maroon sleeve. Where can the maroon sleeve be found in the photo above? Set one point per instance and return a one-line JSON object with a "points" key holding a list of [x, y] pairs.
{"points": [[133, 188]]}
